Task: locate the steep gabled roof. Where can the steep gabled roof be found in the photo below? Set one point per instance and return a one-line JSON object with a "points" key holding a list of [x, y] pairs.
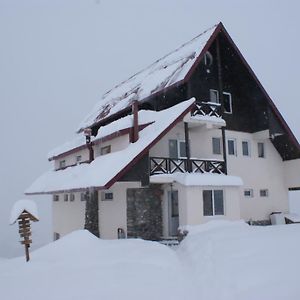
{"points": [[162, 74], [105, 170]]}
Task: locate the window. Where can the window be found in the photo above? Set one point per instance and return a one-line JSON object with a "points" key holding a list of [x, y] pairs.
{"points": [[261, 149], [107, 196], [55, 198], [227, 102], [78, 159], [66, 197], [177, 149], [105, 150], [264, 193], [213, 203], [231, 147], [216, 145], [214, 96], [72, 197], [208, 59], [245, 148], [56, 236], [82, 196], [248, 193], [62, 164]]}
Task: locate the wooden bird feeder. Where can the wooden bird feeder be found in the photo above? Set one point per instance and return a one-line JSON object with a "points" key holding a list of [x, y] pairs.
{"points": [[24, 211]]}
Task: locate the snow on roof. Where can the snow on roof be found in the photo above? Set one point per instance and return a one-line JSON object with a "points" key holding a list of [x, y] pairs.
{"points": [[20, 206], [145, 117], [104, 168], [166, 71], [198, 179]]}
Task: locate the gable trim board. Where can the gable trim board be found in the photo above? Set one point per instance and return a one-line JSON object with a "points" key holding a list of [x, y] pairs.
{"points": [[83, 176]]}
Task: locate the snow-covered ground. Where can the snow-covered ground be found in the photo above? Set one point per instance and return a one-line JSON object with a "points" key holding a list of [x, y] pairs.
{"points": [[219, 260]]}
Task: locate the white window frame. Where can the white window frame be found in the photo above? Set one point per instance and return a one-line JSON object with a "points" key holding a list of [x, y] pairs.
{"points": [[234, 146], [210, 94], [213, 202], [264, 190], [251, 193], [249, 148], [230, 103], [212, 144], [104, 193]]}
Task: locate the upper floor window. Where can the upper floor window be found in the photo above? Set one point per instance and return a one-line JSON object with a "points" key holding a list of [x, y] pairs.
{"points": [[227, 103], [214, 96], [62, 164], [72, 197], [261, 149], [264, 193], [231, 143], [177, 149], [248, 193], [105, 150], [55, 198], [246, 148], [213, 202], [216, 145], [66, 197]]}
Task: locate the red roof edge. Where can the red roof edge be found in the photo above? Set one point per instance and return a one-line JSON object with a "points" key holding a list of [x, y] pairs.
{"points": [[144, 152]]}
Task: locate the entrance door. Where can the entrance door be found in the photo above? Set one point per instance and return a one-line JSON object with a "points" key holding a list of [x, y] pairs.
{"points": [[173, 212]]}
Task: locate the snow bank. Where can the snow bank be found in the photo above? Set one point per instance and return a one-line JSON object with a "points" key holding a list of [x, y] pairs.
{"points": [[237, 261], [80, 266], [20, 206]]}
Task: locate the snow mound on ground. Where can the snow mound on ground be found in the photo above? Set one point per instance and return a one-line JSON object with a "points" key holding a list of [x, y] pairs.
{"points": [[212, 225], [81, 266], [237, 261]]}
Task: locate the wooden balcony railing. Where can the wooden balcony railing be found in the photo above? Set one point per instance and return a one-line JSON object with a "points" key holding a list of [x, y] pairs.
{"points": [[209, 109], [167, 165]]}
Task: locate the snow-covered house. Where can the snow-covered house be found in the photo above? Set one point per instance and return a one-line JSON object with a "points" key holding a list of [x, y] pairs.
{"points": [[190, 138]]}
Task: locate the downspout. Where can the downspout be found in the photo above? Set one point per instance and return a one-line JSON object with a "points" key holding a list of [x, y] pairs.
{"points": [[220, 82]]}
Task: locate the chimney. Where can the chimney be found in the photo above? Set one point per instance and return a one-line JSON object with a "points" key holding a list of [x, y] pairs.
{"points": [[134, 134], [88, 133]]}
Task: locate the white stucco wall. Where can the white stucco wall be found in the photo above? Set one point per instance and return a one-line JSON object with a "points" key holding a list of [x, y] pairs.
{"points": [[292, 173], [69, 215], [258, 173]]}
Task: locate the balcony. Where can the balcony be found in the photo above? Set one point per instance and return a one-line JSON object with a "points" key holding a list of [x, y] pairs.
{"points": [[206, 113], [167, 165]]}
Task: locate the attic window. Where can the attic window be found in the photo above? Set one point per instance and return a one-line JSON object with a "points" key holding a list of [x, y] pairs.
{"points": [[105, 150], [208, 59], [214, 96], [227, 103], [62, 164]]}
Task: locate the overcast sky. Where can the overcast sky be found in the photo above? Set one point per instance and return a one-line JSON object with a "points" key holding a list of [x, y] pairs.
{"points": [[58, 57]]}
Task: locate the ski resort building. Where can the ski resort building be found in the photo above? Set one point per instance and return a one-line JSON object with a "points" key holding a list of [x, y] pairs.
{"points": [[191, 138]]}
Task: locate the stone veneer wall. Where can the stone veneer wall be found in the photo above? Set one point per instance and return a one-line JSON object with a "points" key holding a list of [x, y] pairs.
{"points": [[144, 213]]}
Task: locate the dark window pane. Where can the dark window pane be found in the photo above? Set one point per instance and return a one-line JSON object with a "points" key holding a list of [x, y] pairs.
{"points": [[182, 149], [245, 146], [261, 149], [105, 150], [231, 147], [173, 149], [174, 202], [218, 202], [227, 103], [207, 203], [216, 143]]}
